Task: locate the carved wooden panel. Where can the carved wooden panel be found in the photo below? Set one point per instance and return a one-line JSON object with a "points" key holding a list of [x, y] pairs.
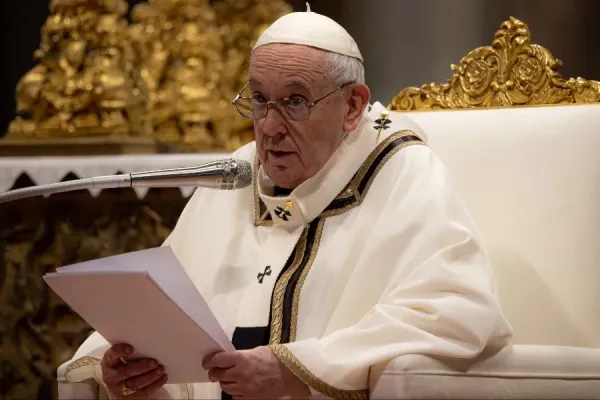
{"points": [[38, 331]]}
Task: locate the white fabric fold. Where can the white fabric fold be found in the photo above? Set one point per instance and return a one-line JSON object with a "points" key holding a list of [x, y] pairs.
{"points": [[385, 261]]}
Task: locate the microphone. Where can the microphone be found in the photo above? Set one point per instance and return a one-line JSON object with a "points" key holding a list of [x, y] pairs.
{"points": [[229, 174]]}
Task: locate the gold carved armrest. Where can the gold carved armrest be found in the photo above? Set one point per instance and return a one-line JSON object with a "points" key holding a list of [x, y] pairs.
{"points": [[510, 72]]}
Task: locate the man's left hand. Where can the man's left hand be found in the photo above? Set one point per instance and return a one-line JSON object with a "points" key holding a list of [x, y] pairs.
{"points": [[256, 373]]}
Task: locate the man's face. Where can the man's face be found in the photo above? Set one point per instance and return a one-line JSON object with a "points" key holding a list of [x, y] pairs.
{"points": [[293, 151]]}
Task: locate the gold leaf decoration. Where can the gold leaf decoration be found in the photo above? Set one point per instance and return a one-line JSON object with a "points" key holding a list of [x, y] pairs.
{"points": [[170, 74], [39, 331], [510, 72], [84, 84]]}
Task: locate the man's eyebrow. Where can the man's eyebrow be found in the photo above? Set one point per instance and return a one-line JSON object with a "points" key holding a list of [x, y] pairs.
{"points": [[289, 84], [297, 84], [254, 82]]}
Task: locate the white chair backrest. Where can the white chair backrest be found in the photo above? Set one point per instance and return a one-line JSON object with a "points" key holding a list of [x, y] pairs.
{"points": [[529, 175], [531, 178]]}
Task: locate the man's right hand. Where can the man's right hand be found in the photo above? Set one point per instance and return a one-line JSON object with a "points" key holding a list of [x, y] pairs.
{"points": [[144, 376]]}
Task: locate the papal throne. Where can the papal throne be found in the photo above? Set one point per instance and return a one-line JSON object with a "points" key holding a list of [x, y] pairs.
{"points": [[523, 147]]}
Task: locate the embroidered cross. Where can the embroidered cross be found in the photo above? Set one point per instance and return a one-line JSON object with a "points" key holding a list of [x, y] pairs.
{"points": [[382, 123], [284, 213], [261, 276]]}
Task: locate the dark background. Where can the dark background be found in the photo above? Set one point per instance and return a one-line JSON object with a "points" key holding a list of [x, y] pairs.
{"points": [[404, 42]]}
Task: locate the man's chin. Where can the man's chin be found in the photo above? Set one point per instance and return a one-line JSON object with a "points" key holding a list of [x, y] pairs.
{"points": [[281, 176]]}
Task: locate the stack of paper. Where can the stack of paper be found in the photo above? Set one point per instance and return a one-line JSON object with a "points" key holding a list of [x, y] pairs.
{"points": [[146, 299]]}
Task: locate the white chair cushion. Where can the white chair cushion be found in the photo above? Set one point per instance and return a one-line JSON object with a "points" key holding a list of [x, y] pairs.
{"points": [[531, 179], [516, 372]]}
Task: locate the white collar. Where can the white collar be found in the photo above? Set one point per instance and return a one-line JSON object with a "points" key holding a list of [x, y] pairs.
{"points": [[309, 199]]}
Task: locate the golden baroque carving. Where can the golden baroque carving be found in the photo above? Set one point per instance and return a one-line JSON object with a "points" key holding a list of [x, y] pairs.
{"points": [[178, 47], [171, 74], [84, 84], [510, 72], [241, 22], [39, 331]]}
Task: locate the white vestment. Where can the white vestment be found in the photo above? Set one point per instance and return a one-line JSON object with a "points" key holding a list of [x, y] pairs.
{"points": [[373, 257]]}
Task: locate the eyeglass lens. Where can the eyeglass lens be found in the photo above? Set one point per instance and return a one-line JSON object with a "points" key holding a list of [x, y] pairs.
{"points": [[256, 108]]}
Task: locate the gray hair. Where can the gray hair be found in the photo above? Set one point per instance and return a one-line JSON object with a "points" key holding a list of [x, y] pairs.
{"points": [[342, 69]]}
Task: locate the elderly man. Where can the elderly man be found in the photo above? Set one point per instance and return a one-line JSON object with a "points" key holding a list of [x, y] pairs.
{"points": [[351, 247]]}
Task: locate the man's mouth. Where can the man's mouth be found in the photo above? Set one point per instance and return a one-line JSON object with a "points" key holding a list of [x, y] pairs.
{"points": [[279, 154]]}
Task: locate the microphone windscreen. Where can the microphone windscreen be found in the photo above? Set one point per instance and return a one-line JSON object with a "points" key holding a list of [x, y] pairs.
{"points": [[244, 174]]}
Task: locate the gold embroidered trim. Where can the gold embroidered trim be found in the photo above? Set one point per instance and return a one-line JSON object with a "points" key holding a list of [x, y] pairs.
{"points": [[359, 176], [298, 369], [378, 150], [259, 220], [351, 190], [85, 361], [82, 362], [300, 283], [348, 192], [281, 285]]}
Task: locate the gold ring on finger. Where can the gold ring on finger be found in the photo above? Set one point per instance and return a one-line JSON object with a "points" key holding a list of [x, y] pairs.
{"points": [[126, 388]]}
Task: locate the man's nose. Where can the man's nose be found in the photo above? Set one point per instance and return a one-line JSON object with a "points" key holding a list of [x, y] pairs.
{"points": [[273, 123]]}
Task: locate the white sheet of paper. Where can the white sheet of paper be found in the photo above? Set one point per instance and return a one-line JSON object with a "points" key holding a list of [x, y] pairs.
{"points": [[145, 298]]}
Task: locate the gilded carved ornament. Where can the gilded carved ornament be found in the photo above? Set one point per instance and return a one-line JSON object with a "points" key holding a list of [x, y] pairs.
{"points": [[169, 75], [510, 72], [84, 83]]}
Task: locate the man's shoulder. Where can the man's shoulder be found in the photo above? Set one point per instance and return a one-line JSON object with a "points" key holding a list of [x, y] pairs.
{"points": [[403, 139], [397, 155], [389, 122], [401, 151], [246, 152], [222, 205], [412, 165]]}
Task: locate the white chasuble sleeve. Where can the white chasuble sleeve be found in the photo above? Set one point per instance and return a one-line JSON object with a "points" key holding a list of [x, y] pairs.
{"points": [[205, 222], [437, 285]]}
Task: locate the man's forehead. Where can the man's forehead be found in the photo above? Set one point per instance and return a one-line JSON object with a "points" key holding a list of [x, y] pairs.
{"points": [[292, 82], [287, 65], [288, 56]]}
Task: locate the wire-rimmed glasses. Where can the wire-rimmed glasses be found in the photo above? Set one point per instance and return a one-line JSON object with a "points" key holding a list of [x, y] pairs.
{"points": [[295, 108]]}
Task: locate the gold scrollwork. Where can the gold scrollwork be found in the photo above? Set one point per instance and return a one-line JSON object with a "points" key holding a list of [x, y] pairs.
{"points": [[84, 84], [39, 331], [168, 75], [510, 72]]}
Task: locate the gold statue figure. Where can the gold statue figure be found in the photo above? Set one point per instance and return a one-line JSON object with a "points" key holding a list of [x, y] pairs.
{"points": [[242, 22], [84, 82], [170, 74], [177, 43], [192, 58]]}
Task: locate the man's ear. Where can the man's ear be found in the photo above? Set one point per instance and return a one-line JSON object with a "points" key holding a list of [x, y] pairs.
{"points": [[359, 96]]}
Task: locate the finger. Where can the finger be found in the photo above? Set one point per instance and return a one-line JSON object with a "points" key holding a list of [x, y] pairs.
{"points": [[113, 355], [218, 374], [206, 362], [221, 360], [149, 391], [135, 368], [143, 381]]}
